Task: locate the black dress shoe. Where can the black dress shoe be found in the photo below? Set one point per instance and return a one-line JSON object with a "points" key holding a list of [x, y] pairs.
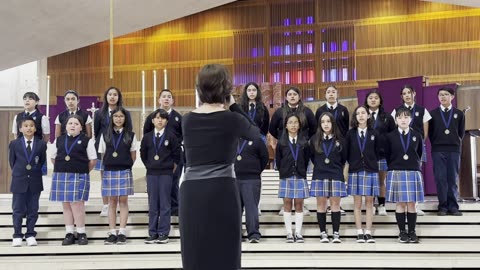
{"points": [[441, 213], [68, 240], [82, 239], [456, 213]]}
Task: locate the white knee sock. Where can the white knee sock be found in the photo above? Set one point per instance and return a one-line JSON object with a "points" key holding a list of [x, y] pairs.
{"points": [[298, 222], [287, 219]]}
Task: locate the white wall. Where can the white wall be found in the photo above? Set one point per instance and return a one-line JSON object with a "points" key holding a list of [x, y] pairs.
{"points": [[16, 81]]}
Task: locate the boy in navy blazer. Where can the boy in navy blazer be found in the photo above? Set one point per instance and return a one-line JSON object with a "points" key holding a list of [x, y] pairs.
{"points": [[26, 156]]}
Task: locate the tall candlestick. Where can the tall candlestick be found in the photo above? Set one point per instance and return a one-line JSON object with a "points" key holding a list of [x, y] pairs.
{"points": [[48, 97], [154, 90], [143, 92], [165, 84]]}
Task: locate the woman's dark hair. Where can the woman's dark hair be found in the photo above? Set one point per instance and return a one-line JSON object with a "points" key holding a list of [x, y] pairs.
{"points": [[33, 96], [244, 100], [127, 127], [284, 138], [73, 92], [214, 84], [300, 110], [374, 91], [163, 114], [104, 109], [403, 111], [354, 121], [319, 134], [408, 87], [80, 119]]}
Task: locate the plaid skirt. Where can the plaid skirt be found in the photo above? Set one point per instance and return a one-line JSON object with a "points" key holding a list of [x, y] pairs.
{"points": [[117, 183], [404, 186], [328, 188], [99, 165], [293, 188], [70, 187], [382, 165], [363, 184]]}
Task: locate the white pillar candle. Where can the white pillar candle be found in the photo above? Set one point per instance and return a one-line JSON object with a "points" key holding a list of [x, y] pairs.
{"points": [[143, 92], [154, 90], [165, 86], [48, 97]]}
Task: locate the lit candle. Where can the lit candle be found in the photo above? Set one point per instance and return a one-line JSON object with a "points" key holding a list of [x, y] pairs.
{"points": [[48, 96], [154, 90], [165, 86], [143, 92]]}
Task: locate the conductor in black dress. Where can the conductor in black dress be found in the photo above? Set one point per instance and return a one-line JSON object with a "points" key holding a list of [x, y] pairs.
{"points": [[210, 216]]}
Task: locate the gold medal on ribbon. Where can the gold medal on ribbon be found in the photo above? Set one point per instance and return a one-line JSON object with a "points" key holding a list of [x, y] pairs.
{"points": [[29, 167], [239, 157], [115, 154], [67, 158], [156, 157]]}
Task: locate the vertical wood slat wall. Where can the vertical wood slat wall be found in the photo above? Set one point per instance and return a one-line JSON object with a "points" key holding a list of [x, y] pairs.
{"points": [[306, 43]]}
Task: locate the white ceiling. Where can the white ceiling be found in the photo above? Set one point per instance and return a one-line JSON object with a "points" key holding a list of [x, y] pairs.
{"points": [[35, 29], [468, 3]]}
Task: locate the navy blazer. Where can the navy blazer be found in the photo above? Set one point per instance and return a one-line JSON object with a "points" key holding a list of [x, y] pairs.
{"points": [[22, 179]]}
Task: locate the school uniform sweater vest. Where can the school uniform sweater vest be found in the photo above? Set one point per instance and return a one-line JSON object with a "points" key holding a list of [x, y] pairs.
{"points": [[342, 116], [395, 152], [370, 155], [286, 166], [123, 160], [168, 154], [63, 116], [385, 124], [78, 162], [334, 168], [440, 141], [417, 118], [261, 117], [253, 162], [37, 117]]}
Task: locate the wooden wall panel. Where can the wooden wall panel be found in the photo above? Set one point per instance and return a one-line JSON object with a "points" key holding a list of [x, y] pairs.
{"points": [[6, 117], [306, 43]]}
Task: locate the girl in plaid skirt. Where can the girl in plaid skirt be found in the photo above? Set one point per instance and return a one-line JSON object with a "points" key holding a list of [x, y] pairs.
{"points": [[328, 183], [383, 123], [73, 156], [118, 145], [362, 146], [291, 156], [420, 118], [112, 99], [404, 150]]}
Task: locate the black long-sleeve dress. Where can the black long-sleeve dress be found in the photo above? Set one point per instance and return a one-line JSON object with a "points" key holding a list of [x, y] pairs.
{"points": [[210, 216]]}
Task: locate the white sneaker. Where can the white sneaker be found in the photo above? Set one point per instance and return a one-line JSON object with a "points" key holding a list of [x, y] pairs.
{"points": [[281, 211], [336, 238], [382, 211], [17, 242], [31, 241], [419, 211], [324, 238], [306, 211], [104, 212]]}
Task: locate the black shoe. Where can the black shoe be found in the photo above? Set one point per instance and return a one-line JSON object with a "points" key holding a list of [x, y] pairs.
{"points": [[122, 239], [403, 237], [162, 239], [111, 240], [82, 239], [455, 213], [441, 213], [68, 240], [254, 240], [369, 239], [151, 239], [360, 238], [413, 238]]}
